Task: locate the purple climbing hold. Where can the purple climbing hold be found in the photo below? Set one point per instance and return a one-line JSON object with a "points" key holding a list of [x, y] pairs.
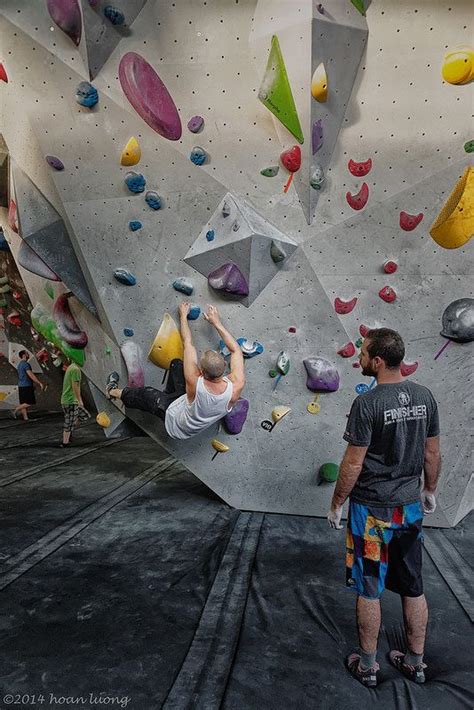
{"points": [[54, 162], [149, 96], [66, 14], [195, 124], [322, 375], [317, 135], [235, 420], [230, 279]]}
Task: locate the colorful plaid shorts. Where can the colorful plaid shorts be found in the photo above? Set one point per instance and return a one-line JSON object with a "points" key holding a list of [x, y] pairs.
{"points": [[73, 412], [383, 549]]}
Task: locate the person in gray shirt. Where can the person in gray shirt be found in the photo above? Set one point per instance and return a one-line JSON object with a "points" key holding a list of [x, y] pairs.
{"points": [[393, 439]]}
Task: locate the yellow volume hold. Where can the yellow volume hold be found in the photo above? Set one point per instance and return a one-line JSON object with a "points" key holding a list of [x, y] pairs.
{"points": [[219, 446], [319, 84], [458, 65], [454, 226], [279, 412], [132, 153], [167, 345]]}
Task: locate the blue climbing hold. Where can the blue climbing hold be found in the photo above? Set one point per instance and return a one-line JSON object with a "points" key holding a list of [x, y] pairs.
{"points": [[125, 277], [115, 16], [153, 200], [128, 332], [194, 312], [198, 155], [361, 388], [135, 181], [4, 246], [210, 235], [86, 94], [183, 285], [249, 349], [134, 225]]}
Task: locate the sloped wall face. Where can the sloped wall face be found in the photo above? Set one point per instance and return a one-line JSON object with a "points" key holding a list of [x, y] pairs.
{"points": [[402, 127]]}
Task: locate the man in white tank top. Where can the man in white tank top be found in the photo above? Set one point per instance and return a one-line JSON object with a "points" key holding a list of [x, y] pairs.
{"points": [[197, 393]]}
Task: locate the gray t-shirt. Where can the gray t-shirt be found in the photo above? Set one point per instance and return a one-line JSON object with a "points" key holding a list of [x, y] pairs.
{"points": [[394, 421]]}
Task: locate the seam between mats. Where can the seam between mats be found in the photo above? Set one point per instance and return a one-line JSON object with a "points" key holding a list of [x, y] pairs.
{"points": [[39, 438]]}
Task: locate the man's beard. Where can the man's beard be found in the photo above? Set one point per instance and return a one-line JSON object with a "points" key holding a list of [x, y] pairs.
{"points": [[368, 371]]}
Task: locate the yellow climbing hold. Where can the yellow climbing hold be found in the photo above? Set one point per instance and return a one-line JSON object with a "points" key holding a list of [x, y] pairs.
{"points": [[167, 345], [279, 412], [219, 446], [454, 226], [132, 153], [458, 65], [319, 84], [103, 419]]}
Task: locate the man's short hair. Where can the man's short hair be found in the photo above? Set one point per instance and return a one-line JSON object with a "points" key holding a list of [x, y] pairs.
{"points": [[386, 344], [212, 365], [23, 352]]}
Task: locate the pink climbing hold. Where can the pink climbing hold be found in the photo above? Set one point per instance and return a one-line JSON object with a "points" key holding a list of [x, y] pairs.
{"points": [[360, 169], [343, 307], [409, 222], [292, 329], [356, 364], [387, 294], [359, 200], [363, 330], [3, 74], [66, 324], [390, 267], [407, 369], [149, 96], [42, 356], [12, 217], [348, 350], [66, 14]]}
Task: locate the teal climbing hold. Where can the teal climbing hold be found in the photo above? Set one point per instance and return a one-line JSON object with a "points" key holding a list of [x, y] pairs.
{"points": [[125, 277], [469, 146], [183, 285], [210, 235], [128, 332], [194, 312], [134, 225], [329, 472], [135, 181], [271, 171]]}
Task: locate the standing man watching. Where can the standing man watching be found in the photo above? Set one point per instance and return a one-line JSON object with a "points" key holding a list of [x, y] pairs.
{"points": [[393, 436], [71, 401], [26, 385]]}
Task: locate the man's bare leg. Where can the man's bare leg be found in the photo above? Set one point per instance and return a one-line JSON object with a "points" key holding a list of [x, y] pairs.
{"points": [[23, 408], [368, 625], [415, 618]]}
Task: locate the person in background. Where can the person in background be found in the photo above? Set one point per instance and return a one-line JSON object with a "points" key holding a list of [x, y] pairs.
{"points": [[26, 385], [71, 401]]}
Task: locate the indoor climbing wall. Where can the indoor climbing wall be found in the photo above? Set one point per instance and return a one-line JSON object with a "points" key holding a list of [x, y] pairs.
{"points": [[288, 163]]}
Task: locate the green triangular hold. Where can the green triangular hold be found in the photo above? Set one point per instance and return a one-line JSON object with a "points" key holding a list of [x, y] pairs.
{"points": [[359, 4], [275, 92]]}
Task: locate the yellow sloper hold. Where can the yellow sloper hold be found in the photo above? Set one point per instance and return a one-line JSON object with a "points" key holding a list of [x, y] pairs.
{"points": [[132, 153], [103, 420], [458, 65], [219, 446], [454, 226], [280, 412], [167, 344], [319, 84]]}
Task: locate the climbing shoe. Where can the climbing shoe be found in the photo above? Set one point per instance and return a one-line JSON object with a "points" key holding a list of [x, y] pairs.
{"points": [[367, 677], [112, 383], [414, 673]]}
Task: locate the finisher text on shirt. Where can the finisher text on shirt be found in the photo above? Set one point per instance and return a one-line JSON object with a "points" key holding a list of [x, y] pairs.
{"points": [[391, 416]]}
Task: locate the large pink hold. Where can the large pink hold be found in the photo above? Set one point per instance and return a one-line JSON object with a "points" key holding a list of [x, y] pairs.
{"points": [[66, 324], [132, 355], [149, 96], [66, 14]]}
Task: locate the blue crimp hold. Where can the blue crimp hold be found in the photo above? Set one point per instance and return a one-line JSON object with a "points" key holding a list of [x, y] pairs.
{"points": [[194, 312], [249, 349], [198, 155], [134, 225], [86, 94], [125, 277], [183, 285], [210, 235], [153, 200], [128, 332], [115, 16], [135, 181]]}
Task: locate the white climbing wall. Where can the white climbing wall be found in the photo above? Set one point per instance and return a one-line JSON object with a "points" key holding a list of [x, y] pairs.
{"points": [[212, 56]]}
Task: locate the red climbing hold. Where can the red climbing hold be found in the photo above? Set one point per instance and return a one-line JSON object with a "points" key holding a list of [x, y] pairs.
{"points": [[363, 330], [344, 306], [360, 169], [409, 222], [42, 355], [292, 329], [356, 364], [408, 369], [291, 158], [387, 294], [3, 74], [390, 267], [17, 295], [14, 318], [358, 201], [347, 351], [12, 216]]}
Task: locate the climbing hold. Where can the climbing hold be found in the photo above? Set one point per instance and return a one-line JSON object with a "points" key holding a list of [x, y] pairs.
{"points": [[316, 177], [250, 349], [230, 279], [359, 5], [12, 217], [347, 351], [409, 222], [358, 342], [149, 96], [14, 318], [34, 334], [153, 200], [210, 234], [86, 94], [291, 158], [275, 92], [236, 226], [408, 368], [454, 225], [3, 74], [329, 472], [458, 65], [45, 325], [283, 363], [4, 245], [390, 267], [132, 354], [363, 330], [183, 285], [194, 312], [292, 329], [356, 364], [167, 345], [322, 376], [107, 350], [218, 447], [234, 421], [135, 181], [54, 162], [128, 332], [359, 200], [361, 388], [277, 252], [103, 420], [115, 16], [135, 224], [387, 294], [66, 14], [317, 135], [198, 155], [314, 407], [132, 152], [271, 171], [195, 124], [279, 412], [468, 147], [319, 84], [66, 324], [320, 8], [360, 169], [225, 209], [458, 320], [343, 307], [125, 277], [42, 356], [49, 289], [6, 288]]}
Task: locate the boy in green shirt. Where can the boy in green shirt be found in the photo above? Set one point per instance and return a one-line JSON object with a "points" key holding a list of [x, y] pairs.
{"points": [[71, 401]]}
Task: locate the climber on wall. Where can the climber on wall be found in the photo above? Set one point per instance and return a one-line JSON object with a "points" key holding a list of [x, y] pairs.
{"points": [[393, 436], [197, 393], [26, 385]]}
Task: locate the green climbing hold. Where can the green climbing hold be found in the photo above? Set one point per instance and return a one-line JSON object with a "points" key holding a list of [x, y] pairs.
{"points": [[275, 92], [3, 303], [329, 472], [359, 342], [469, 146], [49, 289], [108, 351], [270, 172], [359, 4]]}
